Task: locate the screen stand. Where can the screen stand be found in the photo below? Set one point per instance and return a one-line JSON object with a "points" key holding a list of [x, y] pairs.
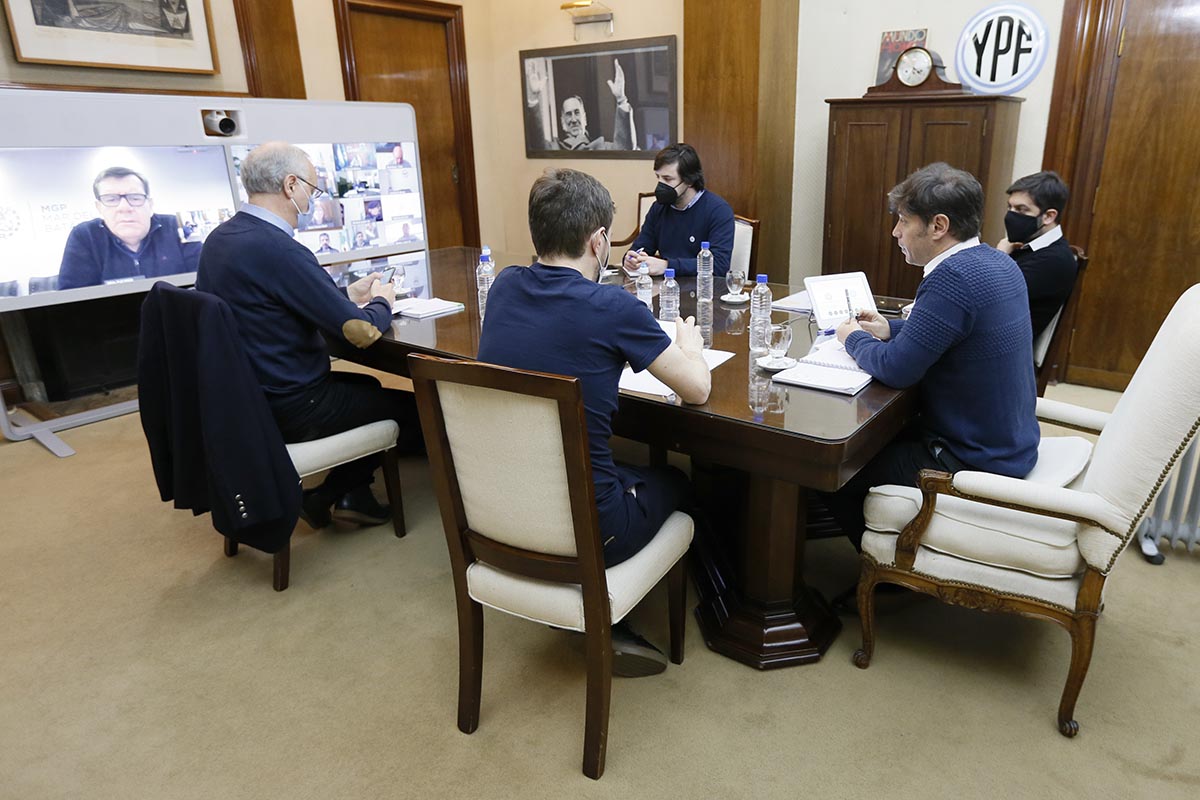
{"points": [[44, 430]]}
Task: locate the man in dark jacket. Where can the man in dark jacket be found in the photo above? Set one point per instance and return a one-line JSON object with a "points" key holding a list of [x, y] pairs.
{"points": [[283, 302], [128, 240]]}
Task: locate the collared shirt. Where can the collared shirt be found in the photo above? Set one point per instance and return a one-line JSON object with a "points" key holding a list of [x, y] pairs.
{"points": [[693, 202], [269, 216], [1046, 239], [958, 248]]}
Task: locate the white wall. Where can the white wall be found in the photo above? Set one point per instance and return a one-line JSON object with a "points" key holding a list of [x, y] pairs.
{"points": [[838, 55], [496, 30]]}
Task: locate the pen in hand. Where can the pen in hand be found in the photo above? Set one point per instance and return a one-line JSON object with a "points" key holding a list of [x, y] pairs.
{"points": [[850, 309]]}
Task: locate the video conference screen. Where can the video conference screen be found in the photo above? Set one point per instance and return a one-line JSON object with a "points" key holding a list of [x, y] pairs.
{"points": [[75, 217], [372, 199]]}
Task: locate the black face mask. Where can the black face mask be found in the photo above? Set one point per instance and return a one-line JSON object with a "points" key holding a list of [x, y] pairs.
{"points": [[1021, 227], [665, 194]]}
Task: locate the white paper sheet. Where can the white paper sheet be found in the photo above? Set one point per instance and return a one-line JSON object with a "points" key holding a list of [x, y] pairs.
{"points": [[645, 383], [798, 303]]}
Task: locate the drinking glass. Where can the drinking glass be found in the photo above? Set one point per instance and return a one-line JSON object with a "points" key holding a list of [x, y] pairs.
{"points": [[779, 340], [735, 279]]}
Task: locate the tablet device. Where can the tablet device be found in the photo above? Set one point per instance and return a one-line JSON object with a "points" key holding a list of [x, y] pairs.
{"points": [[837, 297]]}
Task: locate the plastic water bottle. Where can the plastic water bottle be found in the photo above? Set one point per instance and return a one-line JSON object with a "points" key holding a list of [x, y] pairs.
{"points": [[668, 298], [704, 273], [485, 273], [760, 315], [645, 286]]}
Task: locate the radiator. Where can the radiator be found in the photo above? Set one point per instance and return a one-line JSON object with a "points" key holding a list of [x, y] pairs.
{"points": [[1175, 518]]}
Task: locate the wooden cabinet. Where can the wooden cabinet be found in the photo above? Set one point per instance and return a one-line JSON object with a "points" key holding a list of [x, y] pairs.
{"points": [[874, 142]]}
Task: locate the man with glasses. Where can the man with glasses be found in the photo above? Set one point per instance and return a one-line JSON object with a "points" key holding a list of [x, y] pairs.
{"points": [[128, 240], [283, 302], [684, 215]]}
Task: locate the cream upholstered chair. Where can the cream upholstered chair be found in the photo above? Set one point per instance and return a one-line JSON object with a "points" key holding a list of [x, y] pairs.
{"points": [[745, 246], [1001, 544], [645, 202], [319, 455], [514, 482]]}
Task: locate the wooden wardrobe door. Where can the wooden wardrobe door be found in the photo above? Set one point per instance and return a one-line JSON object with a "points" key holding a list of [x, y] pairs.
{"points": [[864, 163]]}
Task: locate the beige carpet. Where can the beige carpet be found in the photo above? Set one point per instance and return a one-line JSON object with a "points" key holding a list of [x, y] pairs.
{"points": [[137, 662]]}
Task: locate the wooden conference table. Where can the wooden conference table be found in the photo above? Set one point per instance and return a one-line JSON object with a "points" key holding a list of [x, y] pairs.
{"points": [[767, 442]]}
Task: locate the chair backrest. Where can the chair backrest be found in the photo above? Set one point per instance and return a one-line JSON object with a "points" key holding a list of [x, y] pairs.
{"points": [[511, 468], [1154, 422], [745, 246], [645, 203], [1050, 349]]}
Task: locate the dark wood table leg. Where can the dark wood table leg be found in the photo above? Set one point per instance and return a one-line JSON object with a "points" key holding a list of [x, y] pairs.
{"points": [[759, 611]]}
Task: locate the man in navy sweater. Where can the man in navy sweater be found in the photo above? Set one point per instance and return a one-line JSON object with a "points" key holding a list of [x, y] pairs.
{"points": [[967, 345], [684, 216], [283, 301]]}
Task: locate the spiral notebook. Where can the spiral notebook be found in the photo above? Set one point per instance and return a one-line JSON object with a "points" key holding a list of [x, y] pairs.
{"points": [[827, 367]]}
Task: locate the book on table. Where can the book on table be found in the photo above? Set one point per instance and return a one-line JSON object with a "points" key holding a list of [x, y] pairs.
{"points": [[827, 367], [422, 307]]}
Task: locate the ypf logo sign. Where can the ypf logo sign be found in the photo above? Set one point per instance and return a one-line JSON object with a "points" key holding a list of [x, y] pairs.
{"points": [[1002, 49]]}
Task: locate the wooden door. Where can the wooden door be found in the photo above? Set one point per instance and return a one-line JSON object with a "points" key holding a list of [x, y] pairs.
{"points": [[1143, 239], [864, 163], [414, 52]]}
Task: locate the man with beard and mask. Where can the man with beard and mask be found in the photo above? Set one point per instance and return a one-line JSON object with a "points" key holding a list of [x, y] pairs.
{"points": [[1035, 241], [554, 316], [283, 302], [684, 216]]}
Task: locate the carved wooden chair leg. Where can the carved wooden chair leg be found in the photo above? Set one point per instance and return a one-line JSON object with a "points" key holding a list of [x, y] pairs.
{"points": [[677, 603], [866, 614], [470, 663], [599, 691], [281, 567], [231, 547], [1083, 636], [391, 479]]}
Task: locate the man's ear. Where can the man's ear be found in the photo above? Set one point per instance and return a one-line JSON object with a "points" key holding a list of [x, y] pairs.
{"points": [[1051, 216], [939, 227]]}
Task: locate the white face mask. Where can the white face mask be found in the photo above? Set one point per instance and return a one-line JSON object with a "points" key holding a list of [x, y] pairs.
{"points": [[300, 213]]}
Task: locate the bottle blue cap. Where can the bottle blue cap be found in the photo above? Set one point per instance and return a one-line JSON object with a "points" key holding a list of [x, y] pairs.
{"points": [[761, 278], [704, 245], [669, 273]]}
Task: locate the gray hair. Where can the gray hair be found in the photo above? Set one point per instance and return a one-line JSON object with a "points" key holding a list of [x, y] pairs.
{"points": [[266, 167]]}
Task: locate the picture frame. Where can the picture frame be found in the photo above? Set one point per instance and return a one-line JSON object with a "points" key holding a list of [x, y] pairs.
{"points": [[150, 35], [572, 99]]}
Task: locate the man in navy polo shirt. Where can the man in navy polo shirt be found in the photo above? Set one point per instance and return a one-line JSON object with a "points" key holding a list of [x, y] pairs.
{"points": [[684, 215], [554, 317], [128, 240]]}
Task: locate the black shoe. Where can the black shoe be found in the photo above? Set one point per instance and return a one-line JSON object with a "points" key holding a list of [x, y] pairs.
{"points": [[633, 656], [314, 508], [360, 507]]}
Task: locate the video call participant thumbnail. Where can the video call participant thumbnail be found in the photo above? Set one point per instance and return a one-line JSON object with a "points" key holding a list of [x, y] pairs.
{"points": [[128, 240]]}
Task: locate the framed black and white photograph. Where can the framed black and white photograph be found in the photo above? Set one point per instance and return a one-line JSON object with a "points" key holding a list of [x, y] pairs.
{"points": [[609, 100], [157, 35]]}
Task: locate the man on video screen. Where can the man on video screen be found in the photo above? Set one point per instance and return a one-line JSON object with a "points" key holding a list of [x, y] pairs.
{"points": [[128, 240]]}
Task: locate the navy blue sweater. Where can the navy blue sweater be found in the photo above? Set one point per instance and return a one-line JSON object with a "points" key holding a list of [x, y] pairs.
{"points": [[968, 344], [93, 255], [676, 235], [282, 300]]}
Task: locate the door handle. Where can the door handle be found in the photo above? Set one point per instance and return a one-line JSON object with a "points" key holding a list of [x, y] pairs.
{"points": [[454, 172]]}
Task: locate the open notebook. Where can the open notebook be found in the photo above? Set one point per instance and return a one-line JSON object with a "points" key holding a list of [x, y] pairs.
{"points": [[422, 307], [828, 367], [645, 383]]}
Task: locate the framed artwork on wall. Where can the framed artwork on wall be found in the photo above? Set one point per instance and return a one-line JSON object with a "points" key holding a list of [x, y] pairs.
{"points": [[156, 35], [608, 100]]}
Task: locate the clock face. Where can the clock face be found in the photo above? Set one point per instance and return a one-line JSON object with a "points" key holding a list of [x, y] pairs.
{"points": [[914, 66]]}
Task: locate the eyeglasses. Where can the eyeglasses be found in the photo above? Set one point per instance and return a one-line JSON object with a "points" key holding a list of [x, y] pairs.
{"points": [[316, 191], [136, 199]]}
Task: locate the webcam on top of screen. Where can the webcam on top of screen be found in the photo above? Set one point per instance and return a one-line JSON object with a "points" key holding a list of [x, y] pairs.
{"points": [[218, 122]]}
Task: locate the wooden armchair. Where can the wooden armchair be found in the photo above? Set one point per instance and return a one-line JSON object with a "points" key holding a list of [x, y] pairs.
{"points": [[745, 246], [514, 483], [644, 202], [1000, 544]]}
